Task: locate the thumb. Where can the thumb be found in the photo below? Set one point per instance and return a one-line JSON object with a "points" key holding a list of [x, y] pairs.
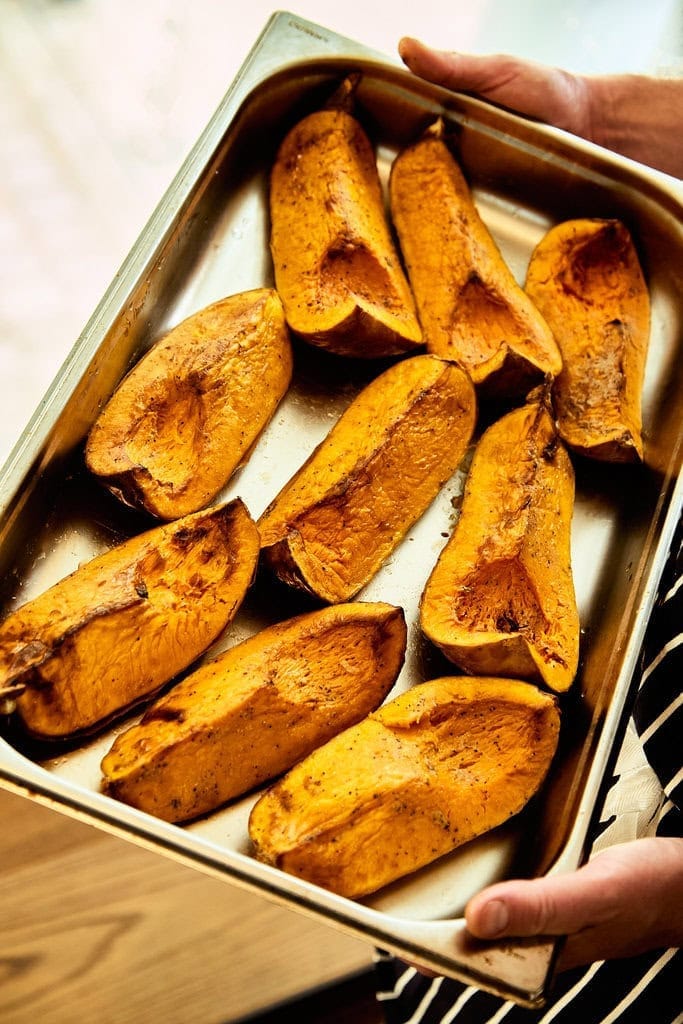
{"points": [[627, 899], [542, 906]]}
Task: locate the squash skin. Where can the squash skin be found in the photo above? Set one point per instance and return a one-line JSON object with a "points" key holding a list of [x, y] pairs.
{"points": [[257, 709], [432, 769], [189, 411], [334, 524], [336, 266], [501, 598], [470, 307], [125, 623], [586, 279]]}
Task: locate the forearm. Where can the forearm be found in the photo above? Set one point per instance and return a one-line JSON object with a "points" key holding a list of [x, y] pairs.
{"points": [[640, 117], [636, 115]]}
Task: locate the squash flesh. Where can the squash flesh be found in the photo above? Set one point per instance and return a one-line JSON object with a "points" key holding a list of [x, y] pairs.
{"points": [[183, 419], [432, 769], [586, 279], [336, 266], [471, 308], [335, 523], [256, 710], [125, 623], [501, 597]]}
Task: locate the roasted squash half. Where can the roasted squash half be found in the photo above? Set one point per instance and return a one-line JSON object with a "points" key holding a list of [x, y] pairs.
{"points": [[189, 411], [337, 520], [501, 599], [437, 766], [128, 621], [336, 265], [256, 710], [586, 279], [470, 306]]}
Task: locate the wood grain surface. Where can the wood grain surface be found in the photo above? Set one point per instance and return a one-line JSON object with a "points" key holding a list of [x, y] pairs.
{"points": [[95, 929]]}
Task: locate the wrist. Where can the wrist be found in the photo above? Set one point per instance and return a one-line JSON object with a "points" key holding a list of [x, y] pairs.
{"points": [[639, 117]]}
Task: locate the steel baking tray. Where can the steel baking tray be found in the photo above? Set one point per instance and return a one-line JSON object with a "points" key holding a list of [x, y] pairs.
{"points": [[209, 238]]}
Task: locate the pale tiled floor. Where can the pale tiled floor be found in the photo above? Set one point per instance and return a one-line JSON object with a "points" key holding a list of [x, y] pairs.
{"points": [[101, 99]]}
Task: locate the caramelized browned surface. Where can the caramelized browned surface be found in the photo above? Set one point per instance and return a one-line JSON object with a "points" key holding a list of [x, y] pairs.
{"points": [[252, 713], [440, 764], [585, 278], [470, 306], [187, 414], [501, 596], [336, 266], [126, 622], [332, 526]]}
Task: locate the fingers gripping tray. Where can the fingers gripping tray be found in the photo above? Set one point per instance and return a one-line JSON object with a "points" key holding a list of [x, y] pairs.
{"points": [[209, 239]]}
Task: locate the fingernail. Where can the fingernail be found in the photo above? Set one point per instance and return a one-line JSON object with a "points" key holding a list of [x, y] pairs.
{"points": [[494, 919]]}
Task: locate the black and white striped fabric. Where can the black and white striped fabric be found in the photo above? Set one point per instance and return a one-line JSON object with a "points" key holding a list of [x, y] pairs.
{"points": [[646, 988], [657, 713]]}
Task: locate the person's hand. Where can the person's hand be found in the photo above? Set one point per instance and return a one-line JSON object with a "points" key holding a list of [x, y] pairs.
{"points": [[626, 900], [545, 93], [638, 116]]}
